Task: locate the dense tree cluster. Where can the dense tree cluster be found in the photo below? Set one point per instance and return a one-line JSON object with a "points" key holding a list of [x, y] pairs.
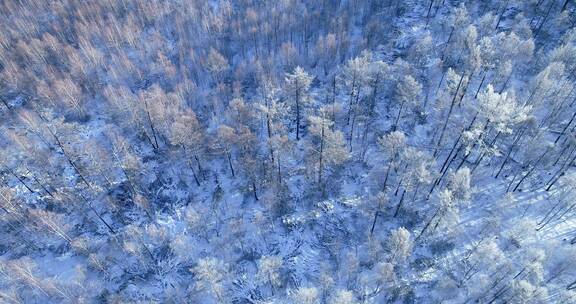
{"points": [[287, 151]]}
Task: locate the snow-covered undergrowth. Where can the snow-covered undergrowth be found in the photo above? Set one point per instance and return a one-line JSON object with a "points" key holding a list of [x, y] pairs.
{"points": [[287, 151]]}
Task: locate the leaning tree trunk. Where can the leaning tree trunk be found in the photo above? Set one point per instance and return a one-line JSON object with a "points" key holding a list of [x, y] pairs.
{"points": [[395, 126], [531, 170], [20, 180], [61, 146], [200, 167], [447, 43], [189, 161], [565, 128], [449, 114], [155, 146], [560, 173], [545, 18], [429, 9], [230, 163], [427, 225], [400, 203], [254, 189], [501, 14]]}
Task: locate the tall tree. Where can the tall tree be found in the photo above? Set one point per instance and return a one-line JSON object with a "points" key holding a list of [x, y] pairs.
{"points": [[297, 87]]}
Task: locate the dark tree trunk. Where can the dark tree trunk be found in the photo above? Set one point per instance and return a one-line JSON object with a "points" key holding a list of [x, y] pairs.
{"points": [[200, 167], [230, 163], [400, 203], [531, 170], [61, 146], [155, 146], [353, 121], [395, 126], [279, 171], [387, 175], [441, 80], [446, 46], [565, 128], [42, 186], [501, 14], [565, 5], [5, 103], [254, 190], [427, 225], [510, 152], [297, 114], [449, 114], [194, 173], [21, 181], [376, 214], [429, 9], [321, 155], [480, 86], [560, 173], [98, 215], [481, 157], [545, 18]]}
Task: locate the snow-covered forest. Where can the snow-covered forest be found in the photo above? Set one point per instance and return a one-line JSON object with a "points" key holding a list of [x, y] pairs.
{"points": [[291, 151]]}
